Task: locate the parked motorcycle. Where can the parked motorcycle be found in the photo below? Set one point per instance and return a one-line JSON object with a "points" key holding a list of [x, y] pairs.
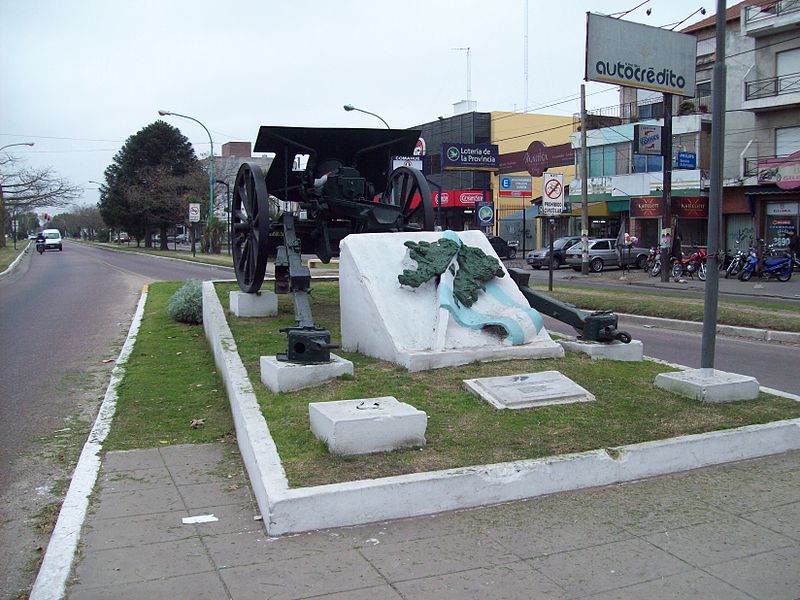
{"points": [[695, 263], [778, 267], [736, 264]]}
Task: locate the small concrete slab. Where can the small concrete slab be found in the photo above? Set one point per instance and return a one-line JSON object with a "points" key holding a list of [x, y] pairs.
{"points": [[709, 385], [260, 304], [365, 426], [281, 376], [529, 390], [632, 352]]}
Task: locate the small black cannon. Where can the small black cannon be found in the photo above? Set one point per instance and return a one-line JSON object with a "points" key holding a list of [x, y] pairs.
{"points": [[598, 326], [346, 186]]}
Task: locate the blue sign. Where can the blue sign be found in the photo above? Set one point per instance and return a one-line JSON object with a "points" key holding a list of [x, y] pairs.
{"points": [[687, 160], [505, 183], [484, 213]]}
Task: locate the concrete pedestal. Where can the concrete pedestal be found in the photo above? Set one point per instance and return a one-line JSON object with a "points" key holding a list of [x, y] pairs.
{"points": [[364, 426], [632, 352], [281, 376], [709, 385], [263, 304], [528, 390]]}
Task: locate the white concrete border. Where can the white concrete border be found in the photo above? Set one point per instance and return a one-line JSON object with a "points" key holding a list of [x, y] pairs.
{"points": [[288, 510], [15, 262], [52, 578]]}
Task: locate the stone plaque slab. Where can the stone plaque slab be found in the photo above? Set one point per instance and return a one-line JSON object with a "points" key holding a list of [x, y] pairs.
{"points": [[528, 390]]}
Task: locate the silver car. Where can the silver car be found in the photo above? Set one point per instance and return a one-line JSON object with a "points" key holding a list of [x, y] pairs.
{"points": [[541, 256], [603, 253]]}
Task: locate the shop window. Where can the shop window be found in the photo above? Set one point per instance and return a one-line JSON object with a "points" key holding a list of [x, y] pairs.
{"points": [[646, 164]]}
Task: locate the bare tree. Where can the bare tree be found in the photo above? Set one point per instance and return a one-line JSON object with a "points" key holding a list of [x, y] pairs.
{"points": [[24, 189]]}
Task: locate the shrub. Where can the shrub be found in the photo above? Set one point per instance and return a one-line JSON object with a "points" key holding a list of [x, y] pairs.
{"points": [[186, 305]]}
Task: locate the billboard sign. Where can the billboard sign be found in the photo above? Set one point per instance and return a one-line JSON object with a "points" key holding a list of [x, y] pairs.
{"points": [[407, 161], [537, 158], [647, 139], [640, 56], [469, 157]]}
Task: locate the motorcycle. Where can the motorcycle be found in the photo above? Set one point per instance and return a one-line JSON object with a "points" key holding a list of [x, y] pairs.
{"points": [[696, 263], [40, 246], [736, 264], [651, 260], [778, 267], [655, 255]]}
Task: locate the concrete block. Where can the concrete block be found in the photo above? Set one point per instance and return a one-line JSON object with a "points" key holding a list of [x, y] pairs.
{"points": [[370, 425], [632, 352], [709, 385], [262, 304], [281, 376], [528, 390]]}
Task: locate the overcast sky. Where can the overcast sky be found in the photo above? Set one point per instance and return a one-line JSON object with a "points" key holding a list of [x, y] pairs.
{"points": [[79, 77]]}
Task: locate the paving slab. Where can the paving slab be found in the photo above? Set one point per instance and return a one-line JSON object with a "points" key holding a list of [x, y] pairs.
{"points": [[694, 585], [781, 519], [197, 586], [768, 576], [138, 502], [107, 534], [126, 480], [126, 460], [215, 493]]}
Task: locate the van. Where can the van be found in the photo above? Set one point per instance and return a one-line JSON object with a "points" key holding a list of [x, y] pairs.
{"points": [[52, 239]]}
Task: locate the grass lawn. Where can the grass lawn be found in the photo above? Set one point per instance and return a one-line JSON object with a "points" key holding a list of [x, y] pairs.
{"points": [[8, 254], [462, 429]]}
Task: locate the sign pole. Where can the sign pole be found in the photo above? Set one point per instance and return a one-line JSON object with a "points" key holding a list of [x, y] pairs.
{"points": [[711, 298], [550, 270], [584, 188], [666, 153]]}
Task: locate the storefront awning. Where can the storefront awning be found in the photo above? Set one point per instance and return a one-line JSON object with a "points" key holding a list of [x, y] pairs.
{"points": [[596, 209], [616, 206]]}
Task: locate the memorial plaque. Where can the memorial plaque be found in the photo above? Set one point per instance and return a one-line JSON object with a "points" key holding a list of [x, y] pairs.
{"points": [[528, 390]]}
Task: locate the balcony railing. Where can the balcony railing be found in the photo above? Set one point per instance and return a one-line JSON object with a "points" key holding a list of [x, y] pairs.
{"points": [[772, 86], [754, 14], [762, 166]]}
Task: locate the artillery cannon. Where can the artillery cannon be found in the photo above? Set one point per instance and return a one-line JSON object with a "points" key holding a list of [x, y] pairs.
{"points": [[346, 186]]}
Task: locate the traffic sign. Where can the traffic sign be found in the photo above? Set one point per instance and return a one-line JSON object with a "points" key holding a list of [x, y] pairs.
{"points": [[194, 212], [552, 193]]}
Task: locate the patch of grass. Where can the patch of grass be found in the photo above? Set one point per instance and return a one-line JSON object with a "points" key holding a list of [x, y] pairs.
{"points": [[170, 380], [744, 314], [463, 430], [8, 254]]}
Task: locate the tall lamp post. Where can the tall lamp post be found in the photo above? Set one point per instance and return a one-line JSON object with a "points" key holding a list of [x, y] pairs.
{"points": [[227, 209], [350, 107], [165, 113], [2, 202]]}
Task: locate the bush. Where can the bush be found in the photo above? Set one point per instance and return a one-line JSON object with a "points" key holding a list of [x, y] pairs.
{"points": [[186, 305]]}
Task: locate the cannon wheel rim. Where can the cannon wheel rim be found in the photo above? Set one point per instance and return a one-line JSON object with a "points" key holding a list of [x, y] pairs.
{"points": [[409, 182], [250, 227]]}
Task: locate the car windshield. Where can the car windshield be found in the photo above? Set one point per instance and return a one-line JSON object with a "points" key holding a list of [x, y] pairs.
{"points": [[52, 236], [562, 243]]}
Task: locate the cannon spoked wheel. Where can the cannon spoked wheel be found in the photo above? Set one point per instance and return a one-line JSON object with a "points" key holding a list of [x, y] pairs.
{"points": [[405, 184], [250, 227]]}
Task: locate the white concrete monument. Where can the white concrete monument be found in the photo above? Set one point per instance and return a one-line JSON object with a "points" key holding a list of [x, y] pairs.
{"points": [[428, 326], [261, 304], [709, 385]]}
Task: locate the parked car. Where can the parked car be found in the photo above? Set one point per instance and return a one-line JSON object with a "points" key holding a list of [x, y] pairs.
{"points": [[52, 239], [541, 256], [603, 253], [502, 248]]}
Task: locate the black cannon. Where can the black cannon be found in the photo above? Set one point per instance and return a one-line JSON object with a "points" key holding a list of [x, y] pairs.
{"points": [[346, 186]]}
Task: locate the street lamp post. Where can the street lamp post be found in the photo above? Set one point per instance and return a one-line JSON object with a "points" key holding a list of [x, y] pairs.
{"points": [[2, 202], [350, 107], [227, 209], [165, 113]]}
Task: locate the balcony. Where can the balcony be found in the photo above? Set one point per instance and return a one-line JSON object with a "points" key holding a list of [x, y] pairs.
{"points": [[770, 18], [781, 170], [772, 93]]}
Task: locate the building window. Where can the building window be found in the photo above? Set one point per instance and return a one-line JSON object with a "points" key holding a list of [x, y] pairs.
{"points": [[706, 46], [646, 164], [787, 140], [603, 161]]}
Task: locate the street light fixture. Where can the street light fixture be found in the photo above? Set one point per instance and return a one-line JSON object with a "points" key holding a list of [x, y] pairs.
{"points": [[350, 107], [2, 202], [165, 113]]}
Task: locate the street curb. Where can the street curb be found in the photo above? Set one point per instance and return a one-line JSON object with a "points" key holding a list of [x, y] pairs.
{"points": [[15, 262], [51, 580], [292, 510], [763, 335], [193, 262]]}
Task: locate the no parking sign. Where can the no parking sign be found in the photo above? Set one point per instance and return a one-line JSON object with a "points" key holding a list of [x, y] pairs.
{"points": [[552, 194]]}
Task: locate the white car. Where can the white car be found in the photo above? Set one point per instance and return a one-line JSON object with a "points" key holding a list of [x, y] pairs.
{"points": [[52, 239]]}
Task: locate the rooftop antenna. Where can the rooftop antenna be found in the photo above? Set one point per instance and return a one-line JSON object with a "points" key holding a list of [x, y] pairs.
{"points": [[619, 15], [469, 72]]}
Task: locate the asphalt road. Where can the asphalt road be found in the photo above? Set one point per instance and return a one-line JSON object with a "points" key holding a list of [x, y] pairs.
{"points": [[63, 318]]}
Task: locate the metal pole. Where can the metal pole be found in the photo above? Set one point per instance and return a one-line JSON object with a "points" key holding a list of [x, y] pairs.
{"points": [[667, 234], [711, 296], [584, 188], [550, 268]]}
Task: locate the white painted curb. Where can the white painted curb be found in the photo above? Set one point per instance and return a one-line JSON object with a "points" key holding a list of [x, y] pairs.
{"points": [[51, 581], [15, 262], [288, 510]]}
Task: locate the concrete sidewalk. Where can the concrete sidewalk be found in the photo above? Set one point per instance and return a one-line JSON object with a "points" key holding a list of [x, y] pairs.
{"points": [[731, 531]]}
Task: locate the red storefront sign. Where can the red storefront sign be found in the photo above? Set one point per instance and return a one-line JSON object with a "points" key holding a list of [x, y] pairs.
{"points": [[652, 207], [537, 159], [457, 198], [647, 207]]}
